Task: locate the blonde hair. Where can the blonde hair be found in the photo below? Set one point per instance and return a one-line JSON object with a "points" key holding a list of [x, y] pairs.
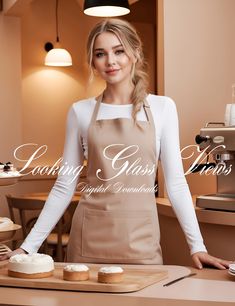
{"points": [[132, 44]]}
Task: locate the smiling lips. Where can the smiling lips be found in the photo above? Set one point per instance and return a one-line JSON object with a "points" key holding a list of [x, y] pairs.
{"points": [[112, 71]]}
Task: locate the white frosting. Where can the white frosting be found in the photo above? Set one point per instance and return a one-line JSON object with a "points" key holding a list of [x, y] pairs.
{"points": [[111, 269], [5, 222], [31, 263], [9, 174], [76, 268], [232, 267]]}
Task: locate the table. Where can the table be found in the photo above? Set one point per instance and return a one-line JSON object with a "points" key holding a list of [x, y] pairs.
{"points": [[44, 195], [209, 287]]}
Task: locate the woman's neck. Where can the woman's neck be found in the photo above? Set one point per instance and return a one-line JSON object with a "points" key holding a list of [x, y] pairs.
{"points": [[118, 94]]}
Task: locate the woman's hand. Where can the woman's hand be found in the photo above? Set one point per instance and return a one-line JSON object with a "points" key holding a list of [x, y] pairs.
{"points": [[201, 258], [9, 254]]}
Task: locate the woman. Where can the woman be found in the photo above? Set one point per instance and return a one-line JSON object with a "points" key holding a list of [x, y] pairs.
{"points": [[122, 133]]}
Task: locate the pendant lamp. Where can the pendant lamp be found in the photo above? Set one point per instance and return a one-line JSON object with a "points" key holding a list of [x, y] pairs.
{"points": [[106, 8], [57, 56]]}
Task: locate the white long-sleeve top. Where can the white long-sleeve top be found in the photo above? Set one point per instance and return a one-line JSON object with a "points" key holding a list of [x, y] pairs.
{"points": [[75, 150]]}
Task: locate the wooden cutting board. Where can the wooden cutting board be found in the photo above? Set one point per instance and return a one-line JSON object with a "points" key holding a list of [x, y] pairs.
{"points": [[134, 280]]}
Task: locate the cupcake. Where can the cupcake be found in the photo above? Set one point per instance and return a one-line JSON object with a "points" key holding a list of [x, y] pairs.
{"points": [[111, 274], [76, 272]]}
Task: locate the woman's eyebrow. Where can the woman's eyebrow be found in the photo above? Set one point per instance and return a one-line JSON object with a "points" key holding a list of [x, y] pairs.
{"points": [[101, 49], [118, 46], [98, 49]]}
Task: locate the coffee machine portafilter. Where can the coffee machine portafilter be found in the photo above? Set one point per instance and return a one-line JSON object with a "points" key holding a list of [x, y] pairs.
{"points": [[218, 140]]}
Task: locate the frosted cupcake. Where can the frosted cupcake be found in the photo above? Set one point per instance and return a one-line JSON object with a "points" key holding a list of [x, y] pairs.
{"points": [[76, 272], [111, 274]]}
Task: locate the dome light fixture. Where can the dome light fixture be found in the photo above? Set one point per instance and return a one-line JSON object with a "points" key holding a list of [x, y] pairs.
{"points": [[57, 56], [106, 8]]}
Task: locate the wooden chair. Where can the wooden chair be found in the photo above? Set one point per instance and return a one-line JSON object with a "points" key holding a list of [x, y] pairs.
{"points": [[57, 239]]}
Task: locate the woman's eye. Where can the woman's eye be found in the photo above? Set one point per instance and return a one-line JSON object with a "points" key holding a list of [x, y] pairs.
{"points": [[99, 54], [119, 51]]}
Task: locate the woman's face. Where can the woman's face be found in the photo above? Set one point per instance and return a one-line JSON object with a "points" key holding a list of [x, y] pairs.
{"points": [[110, 59]]}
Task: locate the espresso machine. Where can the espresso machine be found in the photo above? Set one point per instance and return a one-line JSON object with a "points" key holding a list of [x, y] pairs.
{"points": [[218, 141]]}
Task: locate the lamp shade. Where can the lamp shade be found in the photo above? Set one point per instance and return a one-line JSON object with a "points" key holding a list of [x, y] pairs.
{"points": [[58, 57], [106, 8]]}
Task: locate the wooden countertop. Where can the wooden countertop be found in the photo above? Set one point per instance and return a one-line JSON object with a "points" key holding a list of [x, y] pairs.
{"points": [[164, 208], [208, 287], [203, 215]]}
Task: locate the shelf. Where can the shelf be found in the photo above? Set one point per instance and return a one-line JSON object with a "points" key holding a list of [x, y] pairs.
{"points": [[8, 181], [7, 233]]}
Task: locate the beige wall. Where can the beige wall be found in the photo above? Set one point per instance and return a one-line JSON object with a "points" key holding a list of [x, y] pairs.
{"points": [[10, 97], [199, 66], [10, 86]]}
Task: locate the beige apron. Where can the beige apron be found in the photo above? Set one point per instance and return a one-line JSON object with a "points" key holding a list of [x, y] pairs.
{"points": [[116, 223]]}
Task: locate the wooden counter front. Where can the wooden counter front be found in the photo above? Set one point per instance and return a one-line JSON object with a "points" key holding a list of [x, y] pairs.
{"points": [[208, 287], [217, 228]]}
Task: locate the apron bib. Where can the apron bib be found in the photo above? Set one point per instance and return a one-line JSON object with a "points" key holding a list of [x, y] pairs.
{"points": [[118, 221]]}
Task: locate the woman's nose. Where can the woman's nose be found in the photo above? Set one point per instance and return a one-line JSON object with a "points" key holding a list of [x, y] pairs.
{"points": [[110, 59]]}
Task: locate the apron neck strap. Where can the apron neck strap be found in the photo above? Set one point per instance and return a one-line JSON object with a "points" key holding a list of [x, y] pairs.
{"points": [[97, 106], [148, 113]]}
